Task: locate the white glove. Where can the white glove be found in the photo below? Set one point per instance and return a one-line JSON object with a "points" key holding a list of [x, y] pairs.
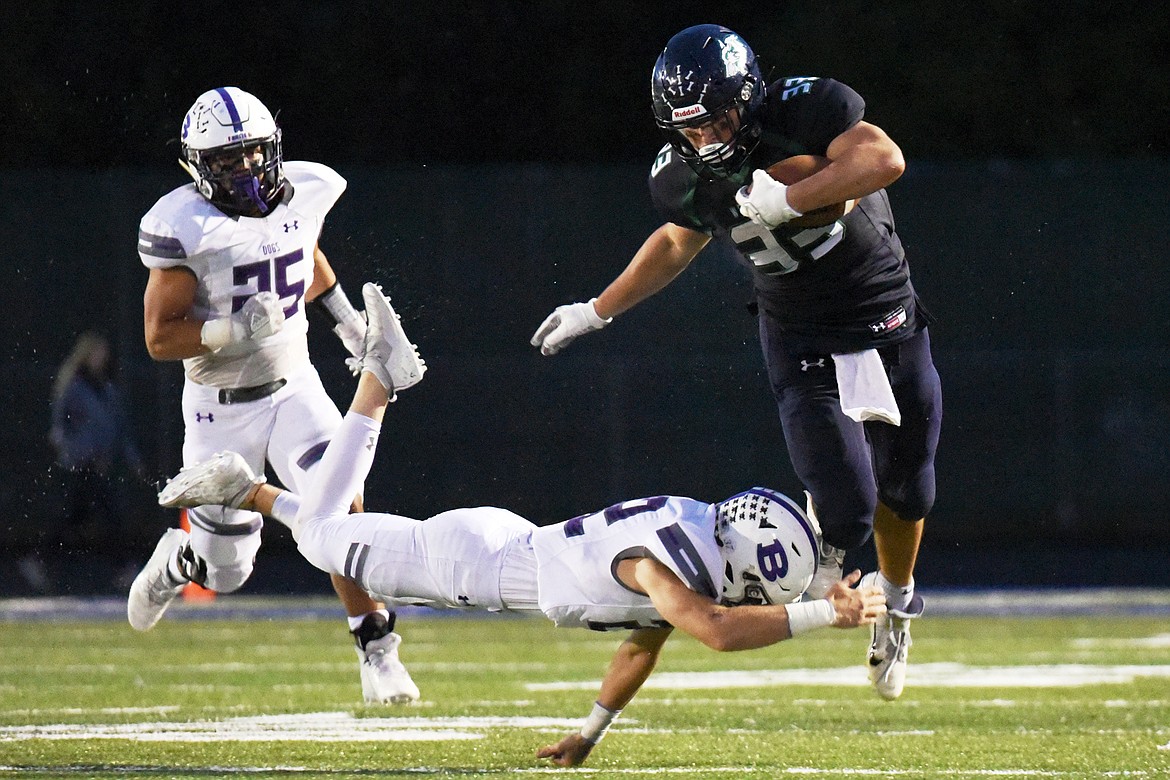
{"points": [[565, 324], [259, 317], [766, 201]]}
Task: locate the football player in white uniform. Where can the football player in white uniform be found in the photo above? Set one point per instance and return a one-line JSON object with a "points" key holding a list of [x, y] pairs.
{"points": [[729, 574], [233, 260]]}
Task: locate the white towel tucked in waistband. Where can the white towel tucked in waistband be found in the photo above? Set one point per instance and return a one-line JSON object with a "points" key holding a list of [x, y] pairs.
{"points": [[865, 388]]}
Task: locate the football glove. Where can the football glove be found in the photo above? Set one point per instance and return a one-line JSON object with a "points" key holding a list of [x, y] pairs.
{"points": [[259, 317], [765, 202], [565, 324]]}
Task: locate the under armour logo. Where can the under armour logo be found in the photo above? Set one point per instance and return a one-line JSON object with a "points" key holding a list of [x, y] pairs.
{"points": [[805, 365], [199, 417], [372, 442], [289, 227]]}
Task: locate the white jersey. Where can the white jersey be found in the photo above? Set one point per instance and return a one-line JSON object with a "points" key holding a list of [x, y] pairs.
{"points": [[233, 258], [576, 561]]}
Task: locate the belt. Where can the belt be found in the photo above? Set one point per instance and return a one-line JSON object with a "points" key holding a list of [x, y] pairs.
{"points": [[242, 395]]}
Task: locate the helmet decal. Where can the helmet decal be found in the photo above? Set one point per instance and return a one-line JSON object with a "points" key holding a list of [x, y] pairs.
{"points": [[233, 113], [735, 55], [688, 112], [773, 562]]}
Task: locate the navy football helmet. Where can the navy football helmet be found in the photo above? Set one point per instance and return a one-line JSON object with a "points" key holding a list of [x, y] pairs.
{"points": [[707, 74], [231, 148]]}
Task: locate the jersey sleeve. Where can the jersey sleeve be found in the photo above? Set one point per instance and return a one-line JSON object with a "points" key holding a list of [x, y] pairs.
{"points": [[814, 111], [160, 244], [672, 189]]}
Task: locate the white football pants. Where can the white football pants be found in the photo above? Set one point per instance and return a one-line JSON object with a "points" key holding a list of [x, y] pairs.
{"points": [[289, 430], [478, 558]]}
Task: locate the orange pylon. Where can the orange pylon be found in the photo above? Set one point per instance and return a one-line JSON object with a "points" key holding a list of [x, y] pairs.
{"points": [[193, 591]]}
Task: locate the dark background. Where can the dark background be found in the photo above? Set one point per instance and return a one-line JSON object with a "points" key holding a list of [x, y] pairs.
{"points": [[497, 155]]}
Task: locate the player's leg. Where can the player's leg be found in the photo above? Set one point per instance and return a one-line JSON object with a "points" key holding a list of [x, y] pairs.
{"points": [[904, 460], [221, 548], [306, 421], [828, 451]]}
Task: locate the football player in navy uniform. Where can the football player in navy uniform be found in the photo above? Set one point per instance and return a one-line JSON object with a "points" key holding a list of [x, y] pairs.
{"points": [[234, 259], [730, 574], [844, 338]]}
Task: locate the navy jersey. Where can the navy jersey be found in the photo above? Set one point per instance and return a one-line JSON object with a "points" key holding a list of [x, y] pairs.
{"points": [[843, 287]]}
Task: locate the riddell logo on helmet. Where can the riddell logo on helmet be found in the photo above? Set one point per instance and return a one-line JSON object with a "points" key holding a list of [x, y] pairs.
{"points": [[688, 113]]}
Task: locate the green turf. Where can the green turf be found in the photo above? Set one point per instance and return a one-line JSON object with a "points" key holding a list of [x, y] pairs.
{"points": [[217, 671]]}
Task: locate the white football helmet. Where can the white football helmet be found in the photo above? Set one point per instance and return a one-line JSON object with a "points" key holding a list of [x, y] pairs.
{"points": [[231, 148], [769, 548]]}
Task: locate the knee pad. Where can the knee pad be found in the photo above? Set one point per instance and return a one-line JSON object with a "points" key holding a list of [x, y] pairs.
{"points": [[226, 542]]}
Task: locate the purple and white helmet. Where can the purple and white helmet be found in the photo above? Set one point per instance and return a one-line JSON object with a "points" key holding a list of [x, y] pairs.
{"points": [[769, 548], [231, 148]]}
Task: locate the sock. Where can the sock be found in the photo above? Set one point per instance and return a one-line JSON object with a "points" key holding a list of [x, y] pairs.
{"points": [[356, 622], [897, 597], [285, 508]]}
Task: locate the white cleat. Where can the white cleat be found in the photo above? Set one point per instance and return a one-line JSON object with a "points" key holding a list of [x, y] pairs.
{"points": [[384, 678], [830, 559], [387, 352], [154, 589], [224, 479], [890, 645]]}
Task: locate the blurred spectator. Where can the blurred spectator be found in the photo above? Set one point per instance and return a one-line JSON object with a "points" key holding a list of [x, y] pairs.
{"points": [[94, 450]]}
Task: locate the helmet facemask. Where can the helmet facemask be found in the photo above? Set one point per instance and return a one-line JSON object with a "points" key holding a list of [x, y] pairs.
{"points": [[241, 178], [721, 158]]}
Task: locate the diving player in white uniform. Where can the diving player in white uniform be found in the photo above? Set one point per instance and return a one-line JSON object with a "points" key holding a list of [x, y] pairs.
{"points": [[729, 574], [233, 260]]}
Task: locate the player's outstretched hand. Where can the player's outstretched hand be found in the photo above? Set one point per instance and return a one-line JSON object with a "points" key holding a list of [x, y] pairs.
{"points": [[856, 606], [570, 751], [565, 324]]}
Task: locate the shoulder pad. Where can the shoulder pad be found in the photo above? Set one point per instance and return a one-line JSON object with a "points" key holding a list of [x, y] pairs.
{"points": [[170, 231], [316, 187]]}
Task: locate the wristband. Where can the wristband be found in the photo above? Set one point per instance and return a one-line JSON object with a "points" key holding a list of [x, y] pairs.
{"points": [[335, 304], [216, 334], [598, 723], [805, 616]]}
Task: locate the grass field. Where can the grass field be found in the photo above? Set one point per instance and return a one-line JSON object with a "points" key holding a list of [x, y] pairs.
{"points": [[1065, 697]]}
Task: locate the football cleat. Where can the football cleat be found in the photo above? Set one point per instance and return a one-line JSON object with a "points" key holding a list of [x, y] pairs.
{"points": [[154, 588], [387, 353], [224, 479], [890, 645], [384, 678], [830, 559]]}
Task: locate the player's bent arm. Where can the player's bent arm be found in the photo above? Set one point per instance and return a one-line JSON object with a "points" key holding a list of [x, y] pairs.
{"points": [[323, 275], [750, 626], [863, 160], [662, 257], [718, 627], [326, 294], [166, 306]]}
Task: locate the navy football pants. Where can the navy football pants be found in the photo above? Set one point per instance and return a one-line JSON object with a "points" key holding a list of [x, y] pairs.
{"points": [[846, 465]]}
